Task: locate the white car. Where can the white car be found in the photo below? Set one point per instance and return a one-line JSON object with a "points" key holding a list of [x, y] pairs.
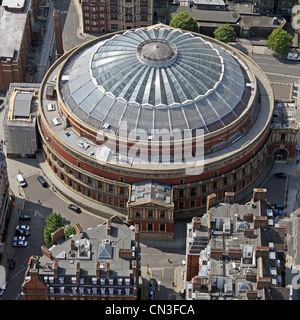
{"points": [[294, 56], [22, 227], [20, 244], [20, 238]]}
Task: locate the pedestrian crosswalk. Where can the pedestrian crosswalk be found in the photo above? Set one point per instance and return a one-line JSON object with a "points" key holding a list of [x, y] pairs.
{"points": [[161, 268]]}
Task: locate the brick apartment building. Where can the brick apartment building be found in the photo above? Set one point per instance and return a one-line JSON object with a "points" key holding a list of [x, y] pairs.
{"points": [[16, 22], [236, 252], [102, 16], [101, 263]]}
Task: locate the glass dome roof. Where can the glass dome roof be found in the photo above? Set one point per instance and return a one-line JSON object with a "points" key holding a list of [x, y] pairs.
{"points": [[155, 78]]}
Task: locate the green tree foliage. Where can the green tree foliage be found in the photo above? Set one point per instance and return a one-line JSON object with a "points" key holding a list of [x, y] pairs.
{"points": [[279, 41], [225, 33], [69, 231], [54, 222], [184, 21]]}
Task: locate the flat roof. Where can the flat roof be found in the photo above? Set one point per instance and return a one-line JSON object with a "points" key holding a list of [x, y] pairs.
{"points": [[210, 2], [14, 3], [12, 26], [213, 16]]}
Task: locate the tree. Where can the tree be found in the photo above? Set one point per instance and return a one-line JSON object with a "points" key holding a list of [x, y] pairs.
{"points": [[69, 231], [184, 21], [279, 41], [54, 222], [225, 33]]}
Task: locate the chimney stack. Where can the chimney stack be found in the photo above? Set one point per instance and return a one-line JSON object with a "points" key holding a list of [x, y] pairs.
{"points": [[108, 228], [229, 197], [107, 270], [259, 194], [210, 201], [196, 223], [46, 252], [58, 34], [72, 244], [98, 269], [78, 229]]}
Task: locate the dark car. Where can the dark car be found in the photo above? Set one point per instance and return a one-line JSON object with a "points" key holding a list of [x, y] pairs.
{"points": [[42, 181], [12, 263], [278, 206], [74, 208], [280, 175], [24, 217], [153, 284]]}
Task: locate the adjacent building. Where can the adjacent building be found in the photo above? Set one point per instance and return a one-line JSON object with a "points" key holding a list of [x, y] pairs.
{"points": [[102, 16], [245, 21], [5, 201], [236, 252], [19, 125], [101, 263], [16, 23]]}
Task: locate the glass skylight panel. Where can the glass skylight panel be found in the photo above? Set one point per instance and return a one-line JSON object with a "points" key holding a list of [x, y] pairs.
{"points": [[154, 96]]}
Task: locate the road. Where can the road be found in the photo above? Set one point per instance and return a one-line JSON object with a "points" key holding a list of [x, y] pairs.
{"points": [[40, 202], [282, 71]]}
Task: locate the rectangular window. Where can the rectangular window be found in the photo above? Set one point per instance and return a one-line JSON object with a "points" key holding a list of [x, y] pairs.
{"points": [[180, 193], [162, 214], [150, 227], [180, 205], [150, 213], [110, 188], [100, 199], [193, 192], [122, 190], [162, 227], [111, 201], [137, 213], [122, 204]]}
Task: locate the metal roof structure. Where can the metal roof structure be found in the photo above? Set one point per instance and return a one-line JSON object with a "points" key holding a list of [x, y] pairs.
{"points": [[154, 79], [22, 104]]}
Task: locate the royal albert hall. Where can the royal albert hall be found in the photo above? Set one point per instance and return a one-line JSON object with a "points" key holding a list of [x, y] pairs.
{"points": [[117, 113]]}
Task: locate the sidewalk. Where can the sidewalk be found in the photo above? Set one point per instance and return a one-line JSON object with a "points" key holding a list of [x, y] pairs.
{"points": [[57, 186], [48, 40]]}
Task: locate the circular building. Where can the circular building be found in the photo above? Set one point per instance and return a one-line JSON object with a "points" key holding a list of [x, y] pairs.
{"points": [[151, 121]]}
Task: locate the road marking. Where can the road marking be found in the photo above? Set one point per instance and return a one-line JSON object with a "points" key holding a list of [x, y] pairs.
{"points": [[161, 268], [282, 75]]}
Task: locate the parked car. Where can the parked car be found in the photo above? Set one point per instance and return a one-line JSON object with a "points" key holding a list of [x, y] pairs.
{"points": [[12, 263], [21, 180], [22, 227], [293, 56], [280, 175], [278, 212], [19, 238], [3, 289], [20, 244], [42, 181], [278, 206], [24, 217], [152, 289], [153, 283], [22, 232], [74, 208]]}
